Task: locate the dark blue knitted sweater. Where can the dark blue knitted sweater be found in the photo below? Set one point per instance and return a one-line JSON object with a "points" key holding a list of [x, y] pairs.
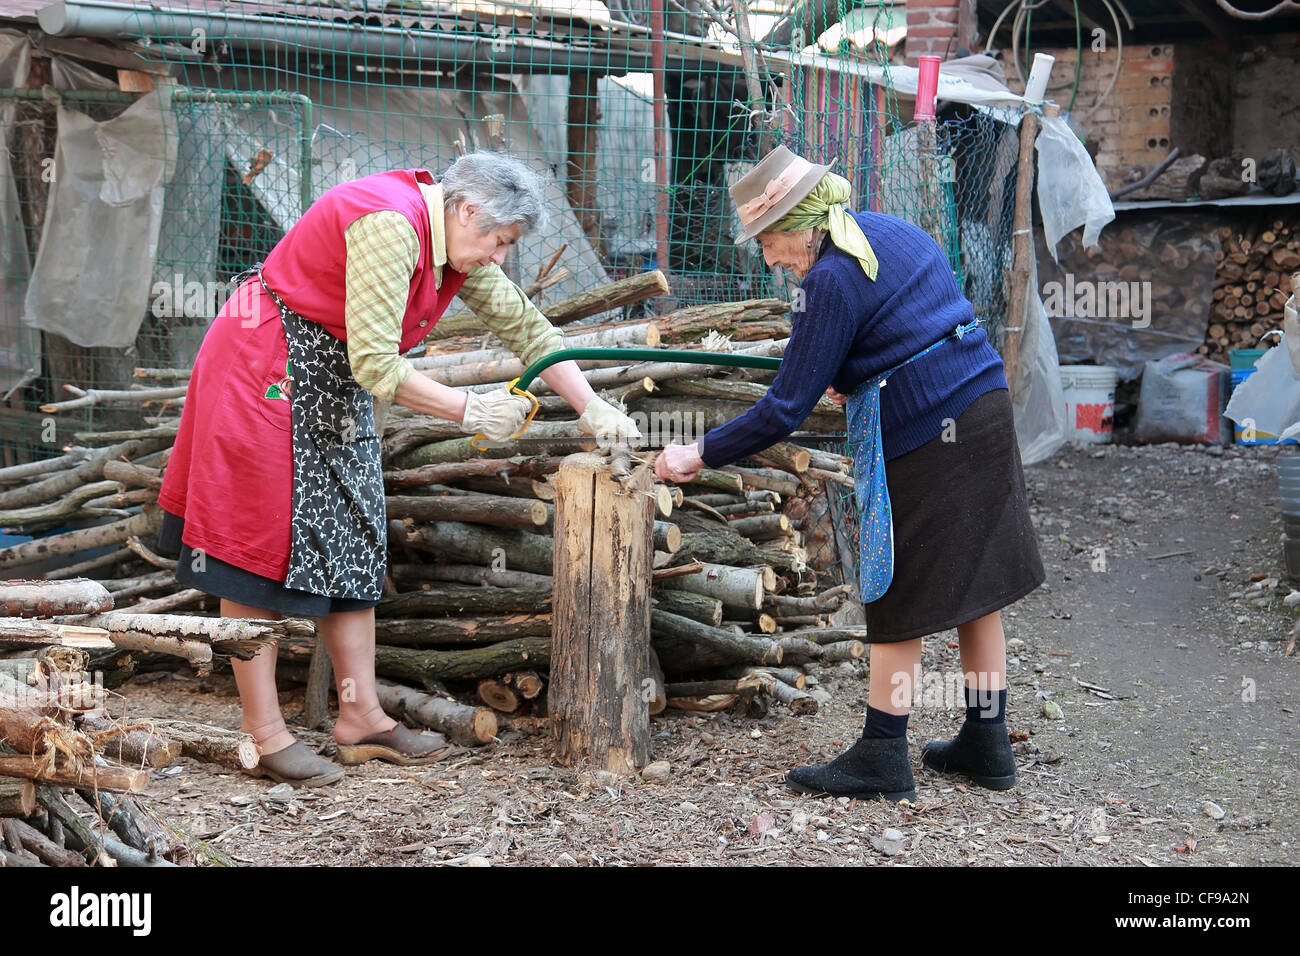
{"points": [[852, 329]]}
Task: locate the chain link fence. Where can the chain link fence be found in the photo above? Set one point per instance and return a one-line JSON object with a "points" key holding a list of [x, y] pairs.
{"points": [[639, 122]]}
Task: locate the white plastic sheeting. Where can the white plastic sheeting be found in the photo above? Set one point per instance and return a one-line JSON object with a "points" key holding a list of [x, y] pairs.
{"points": [[19, 345], [1038, 398], [1070, 191], [92, 277]]}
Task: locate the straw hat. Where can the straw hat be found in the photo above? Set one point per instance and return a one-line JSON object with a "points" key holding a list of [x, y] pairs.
{"points": [[771, 189]]}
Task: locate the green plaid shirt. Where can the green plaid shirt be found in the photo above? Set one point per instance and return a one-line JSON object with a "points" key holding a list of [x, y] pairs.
{"points": [[382, 253]]}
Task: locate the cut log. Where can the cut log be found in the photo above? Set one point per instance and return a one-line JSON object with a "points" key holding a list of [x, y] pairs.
{"points": [[665, 574], [529, 684], [497, 695], [132, 744], [724, 547], [519, 513], [64, 774], [88, 471], [48, 598], [658, 699], [842, 651], [56, 512], [472, 544], [718, 480], [453, 471], [605, 298], [429, 667], [468, 574], [466, 726], [744, 686], [17, 797], [208, 744], [320, 680], [601, 628], [39, 845], [698, 607], [459, 631], [138, 827], [739, 589], [465, 599], [667, 537], [800, 702], [762, 527], [766, 479], [192, 638], [685, 646], [144, 524]]}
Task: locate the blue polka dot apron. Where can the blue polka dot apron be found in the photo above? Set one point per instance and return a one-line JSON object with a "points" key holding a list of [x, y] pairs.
{"points": [[875, 518]]}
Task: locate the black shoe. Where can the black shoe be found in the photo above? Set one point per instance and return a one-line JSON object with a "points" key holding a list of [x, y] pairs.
{"points": [[874, 767], [980, 751]]}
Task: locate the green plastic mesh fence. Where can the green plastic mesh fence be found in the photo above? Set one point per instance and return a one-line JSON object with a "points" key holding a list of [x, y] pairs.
{"points": [[274, 103]]}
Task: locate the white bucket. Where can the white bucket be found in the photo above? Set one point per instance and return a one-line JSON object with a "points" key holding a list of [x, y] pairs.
{"points": [[1089, 402]]}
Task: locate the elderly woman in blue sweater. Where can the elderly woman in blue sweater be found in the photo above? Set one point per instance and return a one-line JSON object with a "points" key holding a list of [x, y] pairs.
{"points": [[945, 537]]}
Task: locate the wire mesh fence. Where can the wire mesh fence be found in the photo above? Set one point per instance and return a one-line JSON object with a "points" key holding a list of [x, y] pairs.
{"points": [[639, 121]]}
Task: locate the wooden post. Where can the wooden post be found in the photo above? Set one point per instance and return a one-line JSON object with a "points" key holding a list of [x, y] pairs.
{"points": [[583, 126], [600, 643], [1021, 250], [320, 675]]}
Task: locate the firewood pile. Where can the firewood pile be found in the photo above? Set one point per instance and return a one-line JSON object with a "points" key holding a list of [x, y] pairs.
{"points": [[744, 564], [68, 769], [1249, 286]]}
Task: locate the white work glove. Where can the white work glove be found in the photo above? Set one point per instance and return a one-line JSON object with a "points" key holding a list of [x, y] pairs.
{"points": [[607, 423], [497, 414]]}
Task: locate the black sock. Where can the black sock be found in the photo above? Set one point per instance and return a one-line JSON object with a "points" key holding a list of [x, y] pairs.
{"points": [[881, 724], [986, 706]]}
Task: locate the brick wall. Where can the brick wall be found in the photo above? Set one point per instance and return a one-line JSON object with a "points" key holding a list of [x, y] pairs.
{"points": [[1166, 95], [934, 27]]}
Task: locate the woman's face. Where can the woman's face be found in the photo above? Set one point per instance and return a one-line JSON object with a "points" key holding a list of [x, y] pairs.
{"points": [[788, 250], [468, 247]]}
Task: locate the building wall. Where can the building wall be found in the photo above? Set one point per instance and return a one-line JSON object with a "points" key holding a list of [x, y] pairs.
{"points": [[1266, 97]]}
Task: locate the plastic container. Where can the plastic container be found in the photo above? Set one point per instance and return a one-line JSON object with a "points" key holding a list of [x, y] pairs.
{"points": [[1243, 360], [1089, 402]]}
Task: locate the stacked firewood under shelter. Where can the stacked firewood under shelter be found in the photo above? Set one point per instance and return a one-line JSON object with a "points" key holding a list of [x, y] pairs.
{"points": [[1250, 286], [746, 589]]}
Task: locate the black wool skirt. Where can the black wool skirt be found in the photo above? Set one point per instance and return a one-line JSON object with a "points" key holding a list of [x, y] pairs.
{"points": [[964, 546], [220, 579]]}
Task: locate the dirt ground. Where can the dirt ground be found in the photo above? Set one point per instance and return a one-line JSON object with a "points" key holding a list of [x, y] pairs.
{"points": [[1175, 741]]}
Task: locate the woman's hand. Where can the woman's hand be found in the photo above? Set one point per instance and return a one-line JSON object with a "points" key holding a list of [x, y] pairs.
{"points": [[678, 462], [838, 398], [496, 414]]}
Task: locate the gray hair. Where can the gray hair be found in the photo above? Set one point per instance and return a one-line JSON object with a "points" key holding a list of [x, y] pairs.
{"points": [[505, 190]]}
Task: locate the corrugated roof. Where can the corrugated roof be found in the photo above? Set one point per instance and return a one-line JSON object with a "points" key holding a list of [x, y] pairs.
{"points": [[20, 9]]}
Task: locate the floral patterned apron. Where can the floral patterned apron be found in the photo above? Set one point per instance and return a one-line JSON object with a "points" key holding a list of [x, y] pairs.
{"points": [[338, 535], [875, 517]]}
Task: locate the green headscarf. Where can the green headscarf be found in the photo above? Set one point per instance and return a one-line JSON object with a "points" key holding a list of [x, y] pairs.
{"points": [[824, 208]]}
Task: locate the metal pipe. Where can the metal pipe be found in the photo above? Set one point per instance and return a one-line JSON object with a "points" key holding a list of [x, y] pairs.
{"points": [[453, 51], [662, 160]]}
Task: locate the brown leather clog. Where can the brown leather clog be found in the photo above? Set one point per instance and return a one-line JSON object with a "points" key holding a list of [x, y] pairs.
{"points": [[399, 745], [297, 765]]}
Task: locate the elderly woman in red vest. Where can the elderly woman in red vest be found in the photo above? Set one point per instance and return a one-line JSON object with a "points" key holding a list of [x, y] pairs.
{"points": [[273, 498]]}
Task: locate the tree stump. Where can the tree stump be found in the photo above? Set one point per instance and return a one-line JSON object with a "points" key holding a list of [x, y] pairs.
{"points": [[600, 644]]}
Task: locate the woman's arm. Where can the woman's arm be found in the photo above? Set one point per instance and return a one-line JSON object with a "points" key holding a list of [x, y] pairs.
{"points": [[819, 341], [382, 250]]}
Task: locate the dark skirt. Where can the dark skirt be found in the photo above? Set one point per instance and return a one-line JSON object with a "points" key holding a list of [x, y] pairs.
{"points": [[964, 546], [220, 579]]}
